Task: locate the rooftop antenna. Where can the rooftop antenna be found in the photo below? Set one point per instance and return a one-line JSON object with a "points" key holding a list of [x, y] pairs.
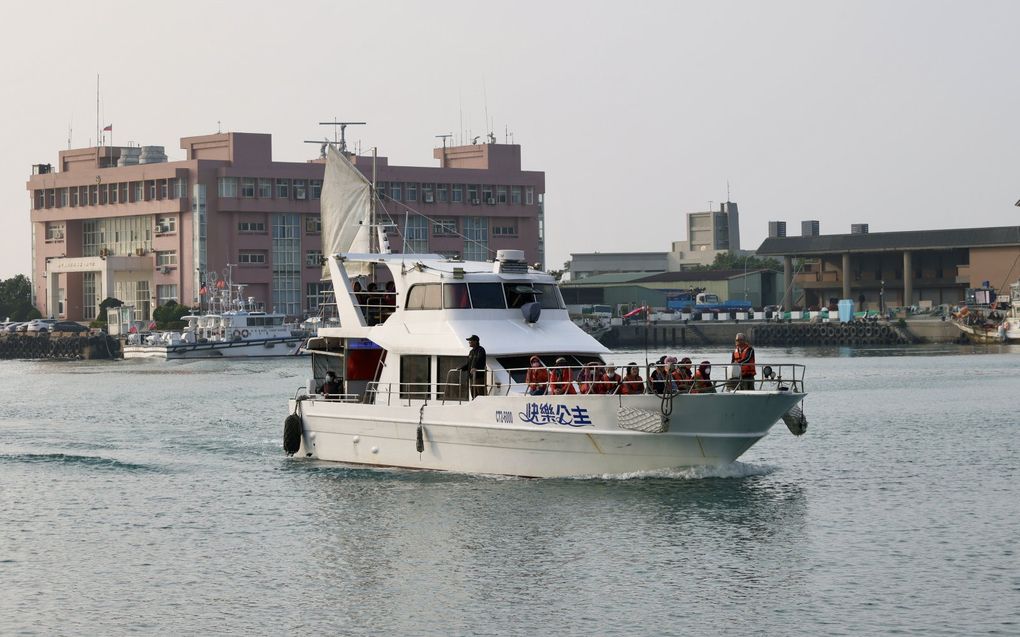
{"points": [[444, 136], [727, 191], [340, 143]]}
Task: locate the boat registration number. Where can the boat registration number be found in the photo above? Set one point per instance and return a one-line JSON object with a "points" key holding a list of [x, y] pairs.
{"points": [[504, 416]]}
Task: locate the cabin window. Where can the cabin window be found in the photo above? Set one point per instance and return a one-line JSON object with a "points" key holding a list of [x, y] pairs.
{"points": [[424, 296], [455, 296], [488, 296], [452, 383], [518, 294], [415, 377], [550, 297]]}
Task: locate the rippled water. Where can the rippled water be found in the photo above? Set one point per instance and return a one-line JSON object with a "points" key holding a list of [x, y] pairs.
{"points": [[152, 497]]}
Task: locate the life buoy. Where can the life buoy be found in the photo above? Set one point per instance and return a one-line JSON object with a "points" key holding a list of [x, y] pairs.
{"points": [[237, 333], [244, 333]]}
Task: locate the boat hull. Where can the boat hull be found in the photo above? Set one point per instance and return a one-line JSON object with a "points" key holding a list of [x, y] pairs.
{"points": [[500, 435], [984, 334], [228, 349]]}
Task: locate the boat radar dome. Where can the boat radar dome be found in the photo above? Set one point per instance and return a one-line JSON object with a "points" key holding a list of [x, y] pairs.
{"points": [[510, 261]]}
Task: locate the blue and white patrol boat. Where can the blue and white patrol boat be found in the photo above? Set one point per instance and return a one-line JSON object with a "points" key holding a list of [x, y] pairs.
{"points": [[402, 399]]}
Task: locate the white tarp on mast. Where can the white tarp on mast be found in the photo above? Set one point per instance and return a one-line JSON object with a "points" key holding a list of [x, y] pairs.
{"points": [[346, 205]]}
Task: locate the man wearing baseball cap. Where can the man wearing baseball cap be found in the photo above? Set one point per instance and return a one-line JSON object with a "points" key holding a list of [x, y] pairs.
{"points": [[475, 366]]}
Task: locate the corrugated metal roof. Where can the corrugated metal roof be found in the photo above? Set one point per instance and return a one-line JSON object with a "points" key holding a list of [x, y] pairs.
{"points": [[889, 241]]}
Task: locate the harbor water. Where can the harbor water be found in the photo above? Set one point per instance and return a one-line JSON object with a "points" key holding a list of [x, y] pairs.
{"points": [[153, 497]]}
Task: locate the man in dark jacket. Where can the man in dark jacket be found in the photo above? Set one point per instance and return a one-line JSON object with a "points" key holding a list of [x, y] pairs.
{"points": [[475, 366]]}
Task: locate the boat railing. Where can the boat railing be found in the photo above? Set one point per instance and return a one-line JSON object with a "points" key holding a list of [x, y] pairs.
{"points": [[768, 377]]}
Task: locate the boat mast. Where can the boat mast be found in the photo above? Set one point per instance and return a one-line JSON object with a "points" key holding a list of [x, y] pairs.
{"points": [[375, 196]]}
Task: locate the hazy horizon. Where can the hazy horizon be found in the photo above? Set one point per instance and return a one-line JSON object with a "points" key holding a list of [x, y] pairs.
{"points": [[894, 114]]}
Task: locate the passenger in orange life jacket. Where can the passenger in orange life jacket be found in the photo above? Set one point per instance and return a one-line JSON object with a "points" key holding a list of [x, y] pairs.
{"points": [[632, 383], [743, 355], [703, 379], [537, 377], [611, 381], [560, 379], [589, 380], [683, 376]]}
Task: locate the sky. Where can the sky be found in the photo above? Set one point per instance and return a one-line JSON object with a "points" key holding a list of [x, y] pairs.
{"points": [[899, 114]]}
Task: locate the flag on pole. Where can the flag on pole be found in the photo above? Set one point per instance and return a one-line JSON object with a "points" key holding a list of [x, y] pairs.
{"points": [[109, 127]]}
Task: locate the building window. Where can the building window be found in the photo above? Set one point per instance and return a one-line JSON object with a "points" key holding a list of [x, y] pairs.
{"points": [[166, 258], [313, 224], [416, 236], [251, 258], [54, 231], [313, 258], [444, 227], [299, 189], [529, 195], [265, 188], [248, 187], [164, 189], [283, 189], [51, 196], [314, 294], [286, 286], [89, 296], [166, 293], [152, 190], [166, 225], [94, 195], [487, 195], [40, 199], [180, 188], [501, 194], [472, 194], [504, 228], [228, 186], [427, 193], [74, 197], [316, 188], [442, 193], [515, 195], [476, 239], [457, 193], [138, 189], [112, 190], [125, 189], [412, 192], [395, 191], [252, 227]]}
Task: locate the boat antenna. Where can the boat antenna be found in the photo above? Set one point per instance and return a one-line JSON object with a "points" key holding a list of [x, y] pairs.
{"points": [[340, 143]]}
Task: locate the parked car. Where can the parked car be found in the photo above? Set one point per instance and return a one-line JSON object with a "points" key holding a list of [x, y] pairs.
{"points": [[68, 326], [39, 325]]}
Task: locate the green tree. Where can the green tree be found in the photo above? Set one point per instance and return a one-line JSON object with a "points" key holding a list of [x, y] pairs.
{"points": [[168, 316], [108, 302], [730, 261], [16, 299]]}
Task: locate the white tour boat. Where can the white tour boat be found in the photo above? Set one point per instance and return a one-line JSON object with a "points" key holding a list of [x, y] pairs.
{"points": [[403, 401], [234, 327]]}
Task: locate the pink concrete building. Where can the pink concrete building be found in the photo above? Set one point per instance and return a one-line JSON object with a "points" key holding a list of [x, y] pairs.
{"points": [[124, 222]]}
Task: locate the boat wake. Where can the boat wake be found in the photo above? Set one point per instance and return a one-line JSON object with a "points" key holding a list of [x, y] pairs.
{"points": [[731, 470], [96, 462]]}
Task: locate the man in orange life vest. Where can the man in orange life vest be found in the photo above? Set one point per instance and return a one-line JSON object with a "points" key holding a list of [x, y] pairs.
{"points": [[743, 355]]}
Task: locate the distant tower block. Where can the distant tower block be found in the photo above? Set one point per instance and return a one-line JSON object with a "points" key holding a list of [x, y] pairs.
{"points": [[777, 229], [858, 228], [809, 228]]}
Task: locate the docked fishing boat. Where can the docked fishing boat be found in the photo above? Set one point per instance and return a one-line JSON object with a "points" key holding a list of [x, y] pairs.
{"points": [[399, 392], [235, 326], [992, 323]]}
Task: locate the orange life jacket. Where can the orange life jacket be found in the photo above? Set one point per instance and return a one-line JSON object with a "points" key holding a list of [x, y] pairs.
{"points": [[745, 357]]}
